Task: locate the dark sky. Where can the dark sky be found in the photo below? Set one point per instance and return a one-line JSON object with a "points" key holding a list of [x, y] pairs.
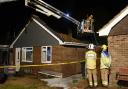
{"points": [[14, 15], [103, 10]]}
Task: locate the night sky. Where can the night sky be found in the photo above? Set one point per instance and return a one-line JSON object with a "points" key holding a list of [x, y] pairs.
{"points": [[103, 10], [14, 15]]}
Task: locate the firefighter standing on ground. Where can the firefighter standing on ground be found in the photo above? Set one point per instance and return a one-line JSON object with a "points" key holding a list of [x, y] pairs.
{"points": [[105, 62], [91, 57]]}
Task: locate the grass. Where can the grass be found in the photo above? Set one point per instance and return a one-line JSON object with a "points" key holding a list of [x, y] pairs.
{"points": [[26, 82], [10, 86]]}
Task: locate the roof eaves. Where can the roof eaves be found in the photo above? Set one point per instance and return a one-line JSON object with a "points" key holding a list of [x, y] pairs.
{"points": [[104, 31], [42, 26], [4, 46], [11, 46], [75, 44], [46, 29]]}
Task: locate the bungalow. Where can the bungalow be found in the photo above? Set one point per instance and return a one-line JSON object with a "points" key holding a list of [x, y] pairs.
{"points": [[38, 44], [116, 32]]}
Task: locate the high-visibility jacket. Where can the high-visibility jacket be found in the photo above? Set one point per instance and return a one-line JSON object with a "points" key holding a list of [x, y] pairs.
{"points": [[105, 60], [90, 57]]}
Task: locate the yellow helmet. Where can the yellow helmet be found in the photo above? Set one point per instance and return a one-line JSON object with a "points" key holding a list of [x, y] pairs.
{"points": [[104, 46]]}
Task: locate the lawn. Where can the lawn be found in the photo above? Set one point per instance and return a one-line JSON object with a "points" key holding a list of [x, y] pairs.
{"points": [[32, 82], [25, 82]]}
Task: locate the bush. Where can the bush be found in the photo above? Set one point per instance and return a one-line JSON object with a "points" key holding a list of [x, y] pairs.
{"points": [[3, 78]]}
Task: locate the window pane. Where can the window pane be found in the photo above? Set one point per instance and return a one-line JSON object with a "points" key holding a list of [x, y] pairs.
{"points": [[49, 54], [46, 54], [28, 55]]}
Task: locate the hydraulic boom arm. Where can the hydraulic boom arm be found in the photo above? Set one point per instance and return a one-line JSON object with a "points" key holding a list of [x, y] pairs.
{"points": [[49, 10]]}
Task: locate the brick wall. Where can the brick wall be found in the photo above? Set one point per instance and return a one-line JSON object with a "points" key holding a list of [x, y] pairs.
{"points": [[118, 48], [61, 54], [68, 54]]}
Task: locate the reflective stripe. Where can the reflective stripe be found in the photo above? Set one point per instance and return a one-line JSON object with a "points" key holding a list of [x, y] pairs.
{"points": [[105, 61], [91, 59], [90, 83], [95, 84], [105, 83]]}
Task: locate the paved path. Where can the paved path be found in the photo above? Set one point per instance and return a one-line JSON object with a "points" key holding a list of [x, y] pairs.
{"points": [[62, 82]]}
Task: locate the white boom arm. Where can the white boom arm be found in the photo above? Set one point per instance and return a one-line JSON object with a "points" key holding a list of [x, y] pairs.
{"points": [[48, 10]]}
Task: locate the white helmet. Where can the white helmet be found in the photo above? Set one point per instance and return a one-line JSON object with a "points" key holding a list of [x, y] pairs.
{"points": [[91, 46]]}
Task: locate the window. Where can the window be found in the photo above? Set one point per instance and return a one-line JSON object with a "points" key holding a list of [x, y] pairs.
{"points": [[27, 54], [46, 54]]}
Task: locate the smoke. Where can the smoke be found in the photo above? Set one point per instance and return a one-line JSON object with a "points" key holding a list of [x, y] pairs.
{"points": [[2, 1]]}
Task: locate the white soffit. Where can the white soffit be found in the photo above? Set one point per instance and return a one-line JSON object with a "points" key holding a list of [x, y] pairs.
{"points": [[104, 31]]}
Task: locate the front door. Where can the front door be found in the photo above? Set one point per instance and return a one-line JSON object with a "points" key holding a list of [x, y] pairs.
{"points": [[17, 58]]}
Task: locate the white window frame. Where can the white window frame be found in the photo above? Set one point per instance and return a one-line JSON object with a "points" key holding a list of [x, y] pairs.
{"points": [[44, 59], [24, 51]]}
